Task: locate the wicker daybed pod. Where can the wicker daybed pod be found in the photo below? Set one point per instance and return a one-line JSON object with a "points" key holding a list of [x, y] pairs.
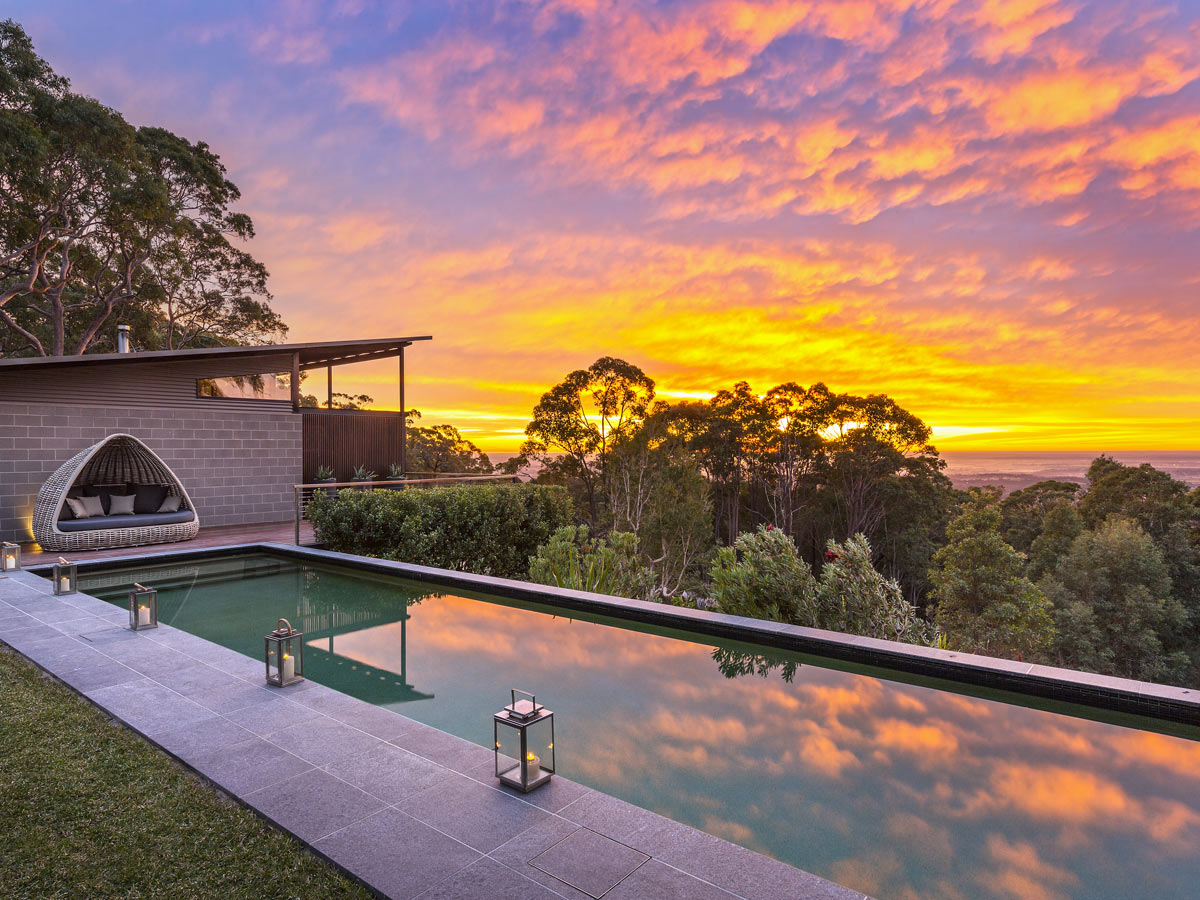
{"points": [[118, 464]]}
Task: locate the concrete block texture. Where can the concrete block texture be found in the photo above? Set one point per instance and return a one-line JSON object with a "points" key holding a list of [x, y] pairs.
{"points": [[231, 479]]}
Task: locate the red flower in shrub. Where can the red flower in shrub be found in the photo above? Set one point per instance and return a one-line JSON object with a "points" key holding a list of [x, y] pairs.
{"points": [[770, 528], [831, 555]]}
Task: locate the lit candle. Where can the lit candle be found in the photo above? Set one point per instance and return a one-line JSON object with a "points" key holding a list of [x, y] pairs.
{"points": [[289, 667], [533, 764], [143, 615]]}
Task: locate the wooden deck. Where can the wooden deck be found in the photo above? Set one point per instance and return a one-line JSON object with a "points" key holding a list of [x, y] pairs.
{"points": [[216, 536]]}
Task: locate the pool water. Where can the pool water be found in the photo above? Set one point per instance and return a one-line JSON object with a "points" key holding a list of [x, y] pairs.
{"points": [[902, 789]]}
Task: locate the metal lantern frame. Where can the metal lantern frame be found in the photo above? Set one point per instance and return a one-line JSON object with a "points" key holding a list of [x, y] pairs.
{"points": [[66, 577], [10, 557], [529, 720], [284, 655], [143, 599]]}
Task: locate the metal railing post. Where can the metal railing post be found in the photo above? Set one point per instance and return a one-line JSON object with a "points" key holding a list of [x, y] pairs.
{"points": [[297, 490]]}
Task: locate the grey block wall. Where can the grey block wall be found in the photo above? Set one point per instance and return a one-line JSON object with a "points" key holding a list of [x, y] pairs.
{"points": [[238, 467]]}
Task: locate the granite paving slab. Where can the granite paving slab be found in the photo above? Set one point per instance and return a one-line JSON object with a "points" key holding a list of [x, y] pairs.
{"points": [[476, 814], [408, 809], [313, 804], [486, 879], [322, 740], [589, 862], [389, 772], [397, 855]]}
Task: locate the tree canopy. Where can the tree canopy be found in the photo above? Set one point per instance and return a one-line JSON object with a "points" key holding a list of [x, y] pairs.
{"points": [[102, 222]]}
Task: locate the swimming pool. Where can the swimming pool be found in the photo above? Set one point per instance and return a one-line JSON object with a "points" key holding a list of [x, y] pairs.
{"points": [[899, 788]]}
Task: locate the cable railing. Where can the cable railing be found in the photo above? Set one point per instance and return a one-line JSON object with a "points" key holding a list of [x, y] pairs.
{"points": [[305, 492]]}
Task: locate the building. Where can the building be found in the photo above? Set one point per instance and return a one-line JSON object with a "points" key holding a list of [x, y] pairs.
{"points": [[227, 420]]}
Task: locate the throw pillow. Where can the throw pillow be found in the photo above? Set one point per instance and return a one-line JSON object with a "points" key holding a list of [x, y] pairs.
{"points": [[171, 504], [104, 492], [78, 508], [149, 497], [121, 504], [90, 506]]}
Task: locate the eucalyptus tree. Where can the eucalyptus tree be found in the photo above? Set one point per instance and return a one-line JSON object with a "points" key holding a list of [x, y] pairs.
{"points": [[577, 422], [100, 220]]}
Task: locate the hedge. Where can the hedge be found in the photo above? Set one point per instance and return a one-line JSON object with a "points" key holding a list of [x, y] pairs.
{"points": [[488, 529]]}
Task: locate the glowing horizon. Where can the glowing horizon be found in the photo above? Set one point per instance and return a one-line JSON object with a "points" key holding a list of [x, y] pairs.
{"points": [[988, 210]]}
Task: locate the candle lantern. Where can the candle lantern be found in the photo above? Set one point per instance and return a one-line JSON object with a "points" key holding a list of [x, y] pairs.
{"points": [[524, 743], [10, 557], [143, 607], [285, 655], [66, 576]]}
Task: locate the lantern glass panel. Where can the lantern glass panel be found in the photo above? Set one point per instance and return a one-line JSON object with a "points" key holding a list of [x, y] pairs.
{"points": [[10, 557], [285, 658], [65, 577], [524, 749], [143, 608]]}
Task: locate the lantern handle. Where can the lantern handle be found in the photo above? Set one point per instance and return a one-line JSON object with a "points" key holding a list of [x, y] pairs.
{"points": [[283, 626], [63, 561]]}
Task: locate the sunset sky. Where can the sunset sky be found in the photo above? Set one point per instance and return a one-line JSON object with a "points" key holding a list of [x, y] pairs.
{"points": [[989, 210]]}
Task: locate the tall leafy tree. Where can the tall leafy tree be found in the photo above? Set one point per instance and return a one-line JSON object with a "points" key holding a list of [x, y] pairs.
{"points": [[985, 604], [1113, 606], [1023, 512], [102, 222], [576, 423]]}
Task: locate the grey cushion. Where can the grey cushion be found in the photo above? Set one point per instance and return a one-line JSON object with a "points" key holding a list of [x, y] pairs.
{"points": [[121, 504], [85, 507], [149, 497], [103, 491], [170, 505], [134, 521]]}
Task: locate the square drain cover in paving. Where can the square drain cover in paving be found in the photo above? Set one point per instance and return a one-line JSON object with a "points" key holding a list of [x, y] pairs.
{"points": [[589, 862]]}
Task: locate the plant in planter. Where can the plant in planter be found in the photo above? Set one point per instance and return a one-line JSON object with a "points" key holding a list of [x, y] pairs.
{"points": [[324, 474], [362, 473], [395, 472]]}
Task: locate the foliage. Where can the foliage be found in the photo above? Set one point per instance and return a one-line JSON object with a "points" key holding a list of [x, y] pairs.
{"points": [[324, 473], [612, 565], [340, 400], [985, 604], [1113, 606], [488, 529], [362, 473], [656, 490], [436, 449], [762, 576], [102, 221], [89, 809], [854, 598], [1023, 512], [576, 422], [1059, 529]]}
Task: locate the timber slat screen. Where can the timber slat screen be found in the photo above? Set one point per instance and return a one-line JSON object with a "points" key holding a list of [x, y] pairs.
{"points": [[344, 439]]}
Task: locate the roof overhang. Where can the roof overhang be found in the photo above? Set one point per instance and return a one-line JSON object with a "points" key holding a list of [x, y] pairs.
{"points": [[314, 355]]}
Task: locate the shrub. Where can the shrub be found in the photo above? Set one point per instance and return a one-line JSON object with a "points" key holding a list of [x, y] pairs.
{"points": [[488, 529], [609, 565], [763, 576]]}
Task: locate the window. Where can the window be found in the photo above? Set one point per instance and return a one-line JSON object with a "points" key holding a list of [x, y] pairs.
{"points": [[276, 386]]}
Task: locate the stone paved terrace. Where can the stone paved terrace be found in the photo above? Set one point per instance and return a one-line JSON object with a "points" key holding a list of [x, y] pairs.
{"points": [[409, 810]]}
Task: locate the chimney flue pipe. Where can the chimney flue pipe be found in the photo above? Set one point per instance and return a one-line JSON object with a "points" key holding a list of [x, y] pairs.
{"points": [[123, 339]]}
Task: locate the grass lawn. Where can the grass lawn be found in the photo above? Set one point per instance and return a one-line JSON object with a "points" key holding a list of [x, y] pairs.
{"points": [[90, 810]]}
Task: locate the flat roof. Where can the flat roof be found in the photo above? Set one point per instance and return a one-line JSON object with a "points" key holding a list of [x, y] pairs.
{"points": [[313, 355]]}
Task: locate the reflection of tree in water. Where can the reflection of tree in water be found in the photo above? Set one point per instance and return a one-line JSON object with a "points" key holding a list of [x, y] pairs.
{"points": [[735, 663]]}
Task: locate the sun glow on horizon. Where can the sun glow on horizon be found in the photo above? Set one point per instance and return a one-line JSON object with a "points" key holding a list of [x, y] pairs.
{"points": [[985, 210]]}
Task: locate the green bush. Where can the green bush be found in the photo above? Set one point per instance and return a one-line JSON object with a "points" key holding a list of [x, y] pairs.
{"points": [[603, 565], [488, 529]]}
